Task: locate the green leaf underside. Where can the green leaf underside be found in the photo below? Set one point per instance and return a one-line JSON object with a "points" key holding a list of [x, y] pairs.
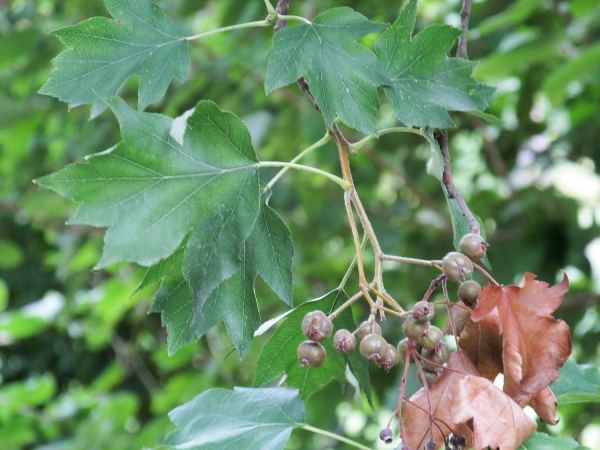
{"points": [[103, 53], [425, 82], [577, 384], [244, 418], [343, 75], [543, 441], [268, 251], [279, 354]]}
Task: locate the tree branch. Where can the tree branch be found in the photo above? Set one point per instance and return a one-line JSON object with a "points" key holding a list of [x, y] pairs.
{"points": [[451, 190], [465, 14]]}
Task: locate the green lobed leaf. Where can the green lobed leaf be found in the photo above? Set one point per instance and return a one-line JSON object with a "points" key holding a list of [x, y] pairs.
{"points": [[103, 53], [543, 441], [577, 384], [425, 82], [268, 251], [152, 192], [247, 418], [343, 75], [279, 353]]}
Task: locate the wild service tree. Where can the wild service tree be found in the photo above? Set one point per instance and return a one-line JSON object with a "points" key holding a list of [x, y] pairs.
{"points": [[182, 196]]}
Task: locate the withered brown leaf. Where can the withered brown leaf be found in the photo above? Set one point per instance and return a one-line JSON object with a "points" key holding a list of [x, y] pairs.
{"points": [[535, 345], [498, 422]]}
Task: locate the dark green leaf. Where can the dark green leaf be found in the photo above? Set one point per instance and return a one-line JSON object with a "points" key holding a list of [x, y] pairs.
{"points": [[577, 384], [103, 53], [343, 75], [543, 441], [268, 252], [279, 354], [244, 418], [426, 83]]}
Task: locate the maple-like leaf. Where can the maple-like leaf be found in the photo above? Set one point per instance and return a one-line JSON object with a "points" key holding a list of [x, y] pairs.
{"points": [[103, 53], [268, 251], [498, 422], [279, 353], [535, 345], [343, 75], [152, 192], [426, 83], [441, 397]]}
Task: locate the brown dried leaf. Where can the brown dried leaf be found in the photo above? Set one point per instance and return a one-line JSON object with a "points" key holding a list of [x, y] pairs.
{"points": [[545, 405], [535, 345], [442, 397], [484, 349], [498, 422]]}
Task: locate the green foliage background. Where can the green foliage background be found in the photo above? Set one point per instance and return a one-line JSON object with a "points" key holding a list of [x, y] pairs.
{"points": [[82, 364]]}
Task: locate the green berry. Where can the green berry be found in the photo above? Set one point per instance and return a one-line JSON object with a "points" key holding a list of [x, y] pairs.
{"points": [[468, 292], [373, 347], [473, 246], [432, 336], [456, 266], [413, 329], [316, 326], [390, 358], [431, 377], [344, 341], [423, 311], [368, 327], [311, 354], [437, 357]]}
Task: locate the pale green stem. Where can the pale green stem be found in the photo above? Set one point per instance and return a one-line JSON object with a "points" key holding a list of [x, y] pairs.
{"points": [[337, 437], [300, 155], [258, 23], [301, 19], [358, 145], [343, 183], [404, 259], [270, 9]]}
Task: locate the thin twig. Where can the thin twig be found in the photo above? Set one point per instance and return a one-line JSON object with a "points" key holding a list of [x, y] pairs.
{"points": [[465, 14], [434, 284], [451, 190]]}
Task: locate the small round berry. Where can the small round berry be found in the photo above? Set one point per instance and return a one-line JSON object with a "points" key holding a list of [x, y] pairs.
{"points": [[413, 329], [468, 292], [430, 445], [423, 311], [473, 246], [456, 266], [437, 357], [432, 336], [390, 358], [367, 328], [386, 435], [457, 440], [373, 347], [317, 326], [311, 354], [344, 341], [431, 377]]}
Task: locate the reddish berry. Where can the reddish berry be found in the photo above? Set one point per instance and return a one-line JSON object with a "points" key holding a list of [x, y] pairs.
{"points": [[473, 246], [373, 347], [311, 354], [468, 292], [316, 326], [344, 341], [367, 328], [423, 311], [456, 266]]}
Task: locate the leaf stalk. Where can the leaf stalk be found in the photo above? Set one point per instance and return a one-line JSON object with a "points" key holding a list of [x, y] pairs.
{"points": [[343, 183], [337, 437]]}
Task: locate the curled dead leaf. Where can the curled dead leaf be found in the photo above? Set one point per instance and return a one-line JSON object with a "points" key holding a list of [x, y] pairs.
{"points": [[545, 404], [535, 345]]}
